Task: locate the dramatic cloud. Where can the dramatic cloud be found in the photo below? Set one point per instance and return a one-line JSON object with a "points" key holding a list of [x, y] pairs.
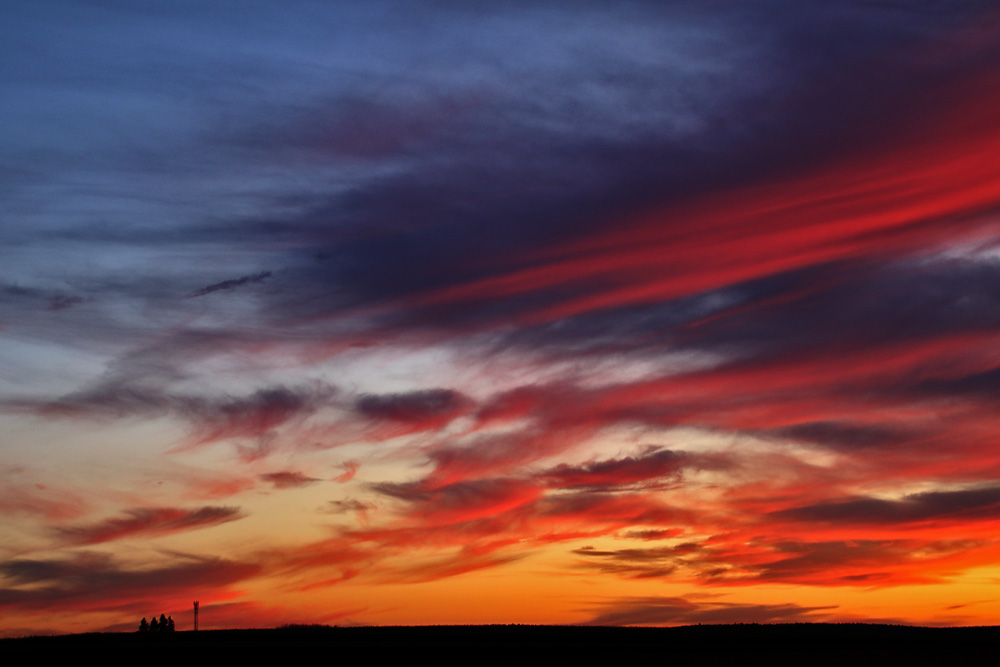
{"points": [[855, 562], [147, 522], [955, 506], [91, 581], [662, 465], [840, 435], [698, 295], [398, 414], [638, 563], [463, 501], [212, 418]]}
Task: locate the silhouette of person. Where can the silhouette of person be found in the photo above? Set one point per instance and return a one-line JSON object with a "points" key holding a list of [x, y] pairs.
{"points": [[170, 623]]}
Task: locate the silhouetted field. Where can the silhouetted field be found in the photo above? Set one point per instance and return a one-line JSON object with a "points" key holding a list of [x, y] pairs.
{"points": [[793, 644]]}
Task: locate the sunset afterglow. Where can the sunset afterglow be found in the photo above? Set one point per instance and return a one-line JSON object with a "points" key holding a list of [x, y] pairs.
{"points": [[370, 313]]}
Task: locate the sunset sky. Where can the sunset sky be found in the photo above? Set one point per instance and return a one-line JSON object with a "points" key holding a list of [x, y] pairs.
{"points": [[499, 312]]}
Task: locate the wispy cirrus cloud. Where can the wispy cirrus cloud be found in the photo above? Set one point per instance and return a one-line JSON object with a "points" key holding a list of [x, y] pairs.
{"points": [[147, 522], [410, 412], [661, 465], [351, 468], [41, 501], [212, 418], [288, 479], [963, 506], [681, 611], [231, 284], [97, 581]]}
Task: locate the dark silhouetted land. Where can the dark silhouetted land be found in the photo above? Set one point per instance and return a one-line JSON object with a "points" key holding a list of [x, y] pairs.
{"points": [[792, 644]]}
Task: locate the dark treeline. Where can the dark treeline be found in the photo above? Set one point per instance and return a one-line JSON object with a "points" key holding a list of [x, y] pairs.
{"points": [[165, 624], [788, 645]]}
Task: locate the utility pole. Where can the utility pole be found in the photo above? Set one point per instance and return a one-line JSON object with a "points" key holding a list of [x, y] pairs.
{"points": [[196, 616]]}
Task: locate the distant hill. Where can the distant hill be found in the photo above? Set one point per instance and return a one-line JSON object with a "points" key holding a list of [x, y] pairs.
{"points": [[521, 645]]}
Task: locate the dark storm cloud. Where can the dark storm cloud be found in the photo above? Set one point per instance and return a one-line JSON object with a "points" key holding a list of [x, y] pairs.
{"points": [[979, 504], [147, 522]]}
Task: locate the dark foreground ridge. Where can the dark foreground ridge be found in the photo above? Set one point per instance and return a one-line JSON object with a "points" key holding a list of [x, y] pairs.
{"points": [[788, 644]]}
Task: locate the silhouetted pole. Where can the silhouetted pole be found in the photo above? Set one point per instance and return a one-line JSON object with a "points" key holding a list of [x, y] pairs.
{"points": [[196, 616]]}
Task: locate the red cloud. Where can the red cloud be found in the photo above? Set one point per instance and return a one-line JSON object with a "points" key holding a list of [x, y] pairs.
{"points": [[895, 197], [350, 470], [148, 522], [41, 501]]}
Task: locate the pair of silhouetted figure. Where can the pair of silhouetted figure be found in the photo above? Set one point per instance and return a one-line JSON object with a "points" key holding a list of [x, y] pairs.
{"points": [[166, 624]]}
